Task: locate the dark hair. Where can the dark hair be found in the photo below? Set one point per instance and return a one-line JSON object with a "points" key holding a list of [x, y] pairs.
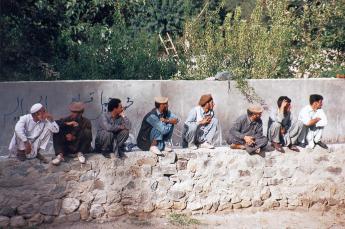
{"points": [[157, 105], [113, 103], [315, 98], [249, 112], [281, 99]]}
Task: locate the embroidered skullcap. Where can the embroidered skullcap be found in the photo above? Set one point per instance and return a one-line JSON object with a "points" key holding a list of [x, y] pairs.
{"points": [[161, 99], [255, 108], [36, 107]]}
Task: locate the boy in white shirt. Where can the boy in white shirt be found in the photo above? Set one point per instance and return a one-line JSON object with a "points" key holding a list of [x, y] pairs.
{"points": [[314, 120]]}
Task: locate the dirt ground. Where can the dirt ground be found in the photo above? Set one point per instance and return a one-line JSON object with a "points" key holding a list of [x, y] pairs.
{"points": [[272, 219]]}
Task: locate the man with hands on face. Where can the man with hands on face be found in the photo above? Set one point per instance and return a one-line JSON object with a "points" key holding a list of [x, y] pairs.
{"points": [[314, 120], [283, 128], [75, 134], [157, 128], [201, 126], [32, 133], [113, 130], [247, 133]]}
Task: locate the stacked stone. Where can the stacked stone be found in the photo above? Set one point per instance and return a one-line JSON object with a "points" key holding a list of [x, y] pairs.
{"points": [[201, 181]]}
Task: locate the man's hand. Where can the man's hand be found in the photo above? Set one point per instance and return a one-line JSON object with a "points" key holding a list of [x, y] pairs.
{"points": [[206, 120], [122, 114], [313, 121], [72, 123], [27, 147], [70, 137], [249, 140], [282, 131], [172, 121], [283, 105], [48, 116]]}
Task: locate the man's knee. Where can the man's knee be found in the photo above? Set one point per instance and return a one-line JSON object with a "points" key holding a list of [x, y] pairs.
{"points": [[124, 133]]}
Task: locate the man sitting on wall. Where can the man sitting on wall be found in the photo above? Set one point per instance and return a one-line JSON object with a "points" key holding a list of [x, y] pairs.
{"points": [[113, 130], [201, 126], [157, 128], [283, 129], [247, 133], [32, 133], [314, 120], [75, 134]]}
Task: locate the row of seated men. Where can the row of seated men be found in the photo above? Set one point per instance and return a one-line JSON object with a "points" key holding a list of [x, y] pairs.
{"points": [[73, 134]]}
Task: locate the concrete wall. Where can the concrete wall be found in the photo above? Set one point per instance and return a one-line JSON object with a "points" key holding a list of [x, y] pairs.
{"points": [[17, 98]]}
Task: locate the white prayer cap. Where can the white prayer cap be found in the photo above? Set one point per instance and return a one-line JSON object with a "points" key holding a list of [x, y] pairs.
{"points": [[36, 107], [161, 99]]}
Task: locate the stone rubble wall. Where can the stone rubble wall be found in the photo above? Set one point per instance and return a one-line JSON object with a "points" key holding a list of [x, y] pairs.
{"points": [[200, 181]]}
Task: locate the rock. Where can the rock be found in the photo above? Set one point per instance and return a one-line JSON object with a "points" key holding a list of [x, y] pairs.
{"points": [[49, 219], [194, 206], [164, 204], [17, 221], [269, 172], [100, 197], [334, 170], [186, 155], [146, 170], [276, 193], [223, 76], [51, 208], [257, 203], [114, 197], [176, 194], [286, 172], [84, 211], [96, 211], [37, 219], [265, 193], [147, 161], [179, 205], [174, 178], [28, 209], [181, 164], [87, 197], [169, 158], [115, 210], [90, 175], [224, 206], [237, 206], [73, 217], [70, 205], [244, 173], [7, 211], [4, 221], [246, 203], [168, 169], [148, 207], [236, 199]]}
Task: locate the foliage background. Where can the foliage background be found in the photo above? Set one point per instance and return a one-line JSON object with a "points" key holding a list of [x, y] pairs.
{"points": [[118, 39]]}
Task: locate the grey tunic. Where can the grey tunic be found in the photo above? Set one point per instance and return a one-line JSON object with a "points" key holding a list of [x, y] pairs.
{"points": [[242, 127], [193, 133], [292, 126], [110, 136]]}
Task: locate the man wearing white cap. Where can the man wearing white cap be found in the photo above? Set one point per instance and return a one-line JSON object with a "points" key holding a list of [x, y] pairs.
{"points": [[247, 133], [32, 133], [157, 128]]}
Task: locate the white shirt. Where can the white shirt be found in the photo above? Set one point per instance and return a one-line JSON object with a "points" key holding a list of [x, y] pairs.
{"points": [[27, 129], [307, 113]]}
